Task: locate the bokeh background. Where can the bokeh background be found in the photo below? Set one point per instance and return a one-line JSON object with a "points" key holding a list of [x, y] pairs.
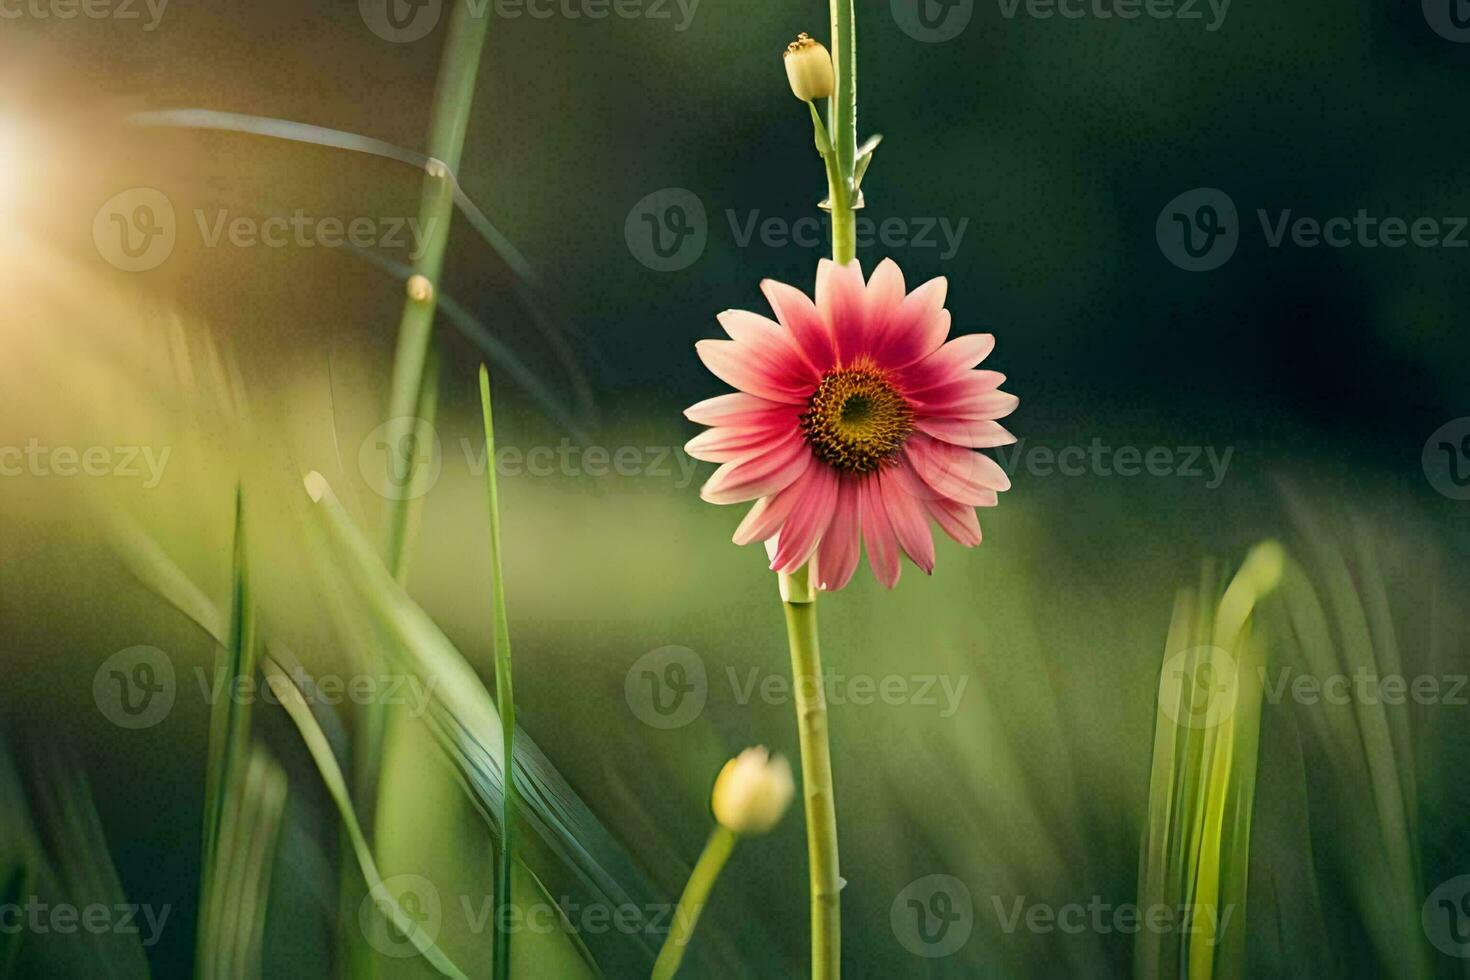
{"points": [[1033, 161]]}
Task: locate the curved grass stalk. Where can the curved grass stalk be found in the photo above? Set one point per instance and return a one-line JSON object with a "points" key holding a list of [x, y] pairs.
{"points": [[504, 699], [326, 762]]}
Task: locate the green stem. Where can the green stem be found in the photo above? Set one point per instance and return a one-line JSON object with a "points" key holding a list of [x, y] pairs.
{"points": [[800, 602], [842, 109], [449, 122], [691, 903], [504, 699]]}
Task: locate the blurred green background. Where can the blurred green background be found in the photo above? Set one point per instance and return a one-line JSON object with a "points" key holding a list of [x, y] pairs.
{"points": [[1054, 144]]}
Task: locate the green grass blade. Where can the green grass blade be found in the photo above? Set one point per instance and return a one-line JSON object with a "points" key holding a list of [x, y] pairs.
{"points": [[326, 763], [229, 733], [504, 698]]}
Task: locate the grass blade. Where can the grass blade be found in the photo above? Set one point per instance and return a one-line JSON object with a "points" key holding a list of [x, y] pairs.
{"points": [[504, 698]]}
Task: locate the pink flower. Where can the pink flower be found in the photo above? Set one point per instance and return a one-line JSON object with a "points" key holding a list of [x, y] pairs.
{"points": [[853, 420]]}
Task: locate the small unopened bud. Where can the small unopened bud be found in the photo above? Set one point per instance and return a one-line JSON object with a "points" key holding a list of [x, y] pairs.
{"points": [[809, 69], [752, 792], [420, 290]]}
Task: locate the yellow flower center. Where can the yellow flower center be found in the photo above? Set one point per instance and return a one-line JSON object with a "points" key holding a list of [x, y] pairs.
{"points": [[856, 419]]}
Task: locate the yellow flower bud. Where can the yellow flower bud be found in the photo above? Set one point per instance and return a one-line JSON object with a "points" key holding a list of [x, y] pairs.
{"points": [[809, 69], [752, 792]]}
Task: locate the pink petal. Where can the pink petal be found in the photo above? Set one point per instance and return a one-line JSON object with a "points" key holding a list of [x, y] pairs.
{"points": [[841, 546], [948, 363], [799, 315], [773, 342], [813, 512], [878, 532], [724, 443], [741, 366], [915, 329], [974, 397], [901, 498], [759, 475], [769, 513], [973, 433], [737, 408], [951, 471], [841, 300], [956, 519], [884, 295]]}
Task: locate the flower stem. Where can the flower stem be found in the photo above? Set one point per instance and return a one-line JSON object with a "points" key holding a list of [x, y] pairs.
{"points": [[504, 700], [696, 893], [842, 108], [800, 601]]}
